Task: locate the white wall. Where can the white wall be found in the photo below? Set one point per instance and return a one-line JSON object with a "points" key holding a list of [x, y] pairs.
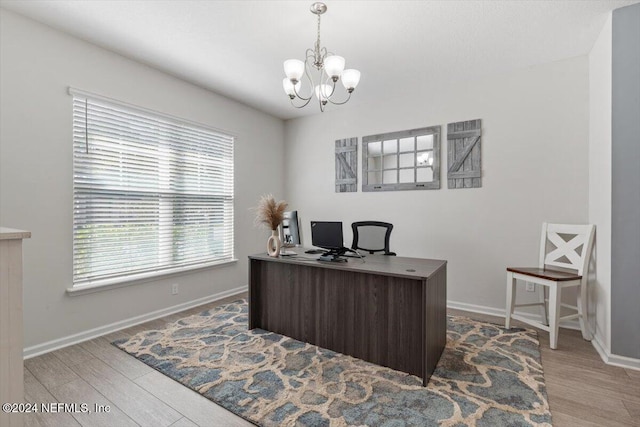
{"points": [[600, 179], [38, 64], [535, 168]]}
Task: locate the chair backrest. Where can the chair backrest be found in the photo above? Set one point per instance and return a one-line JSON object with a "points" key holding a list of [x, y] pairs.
{"points": [[372, 236], [566, 246]]}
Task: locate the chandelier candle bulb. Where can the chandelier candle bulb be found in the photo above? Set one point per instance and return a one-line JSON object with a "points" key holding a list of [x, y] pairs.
{"points": [[350, 79], [334, 65], [294, 69], [290, 88], [323, 92], [319, 66]]}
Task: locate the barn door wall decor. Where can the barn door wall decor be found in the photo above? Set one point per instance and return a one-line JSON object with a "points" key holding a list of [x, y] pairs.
{"points": [[464, 154], [346, 165]]}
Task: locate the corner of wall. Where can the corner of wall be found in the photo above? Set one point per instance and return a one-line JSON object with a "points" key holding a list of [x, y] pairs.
{"points": [[600, 181]]}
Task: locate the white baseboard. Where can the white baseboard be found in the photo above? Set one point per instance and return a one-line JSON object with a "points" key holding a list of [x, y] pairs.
{"points": [[614, 359], [36, 350], [499, 312], [605, 354], [90, 334]]}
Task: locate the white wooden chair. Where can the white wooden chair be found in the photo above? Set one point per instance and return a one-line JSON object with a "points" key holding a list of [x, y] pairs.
{"points": [[567, 246]]}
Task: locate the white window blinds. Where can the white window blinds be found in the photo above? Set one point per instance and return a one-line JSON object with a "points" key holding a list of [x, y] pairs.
{"points": [[151, 193]]}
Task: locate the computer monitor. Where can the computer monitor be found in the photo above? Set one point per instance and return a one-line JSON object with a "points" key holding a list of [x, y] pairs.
{"points": [[327, 235], [290, 229]]}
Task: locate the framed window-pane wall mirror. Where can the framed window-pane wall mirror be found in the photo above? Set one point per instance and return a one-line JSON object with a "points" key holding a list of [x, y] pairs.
{"points": [[404, 160]]}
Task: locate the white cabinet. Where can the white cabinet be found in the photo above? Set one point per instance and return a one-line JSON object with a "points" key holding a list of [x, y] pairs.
{"points": [[11, 341]]}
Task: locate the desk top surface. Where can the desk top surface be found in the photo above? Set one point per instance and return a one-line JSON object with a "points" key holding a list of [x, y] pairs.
{"points": [[411, 268], [12, 233]]}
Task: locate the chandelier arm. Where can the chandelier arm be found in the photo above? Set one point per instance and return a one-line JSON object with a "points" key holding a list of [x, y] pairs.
{"points": [[309, 60], [333, 85], [310, 53], [300, 96], [323, 54], [343, 102], [320, 93], [303, 105]]}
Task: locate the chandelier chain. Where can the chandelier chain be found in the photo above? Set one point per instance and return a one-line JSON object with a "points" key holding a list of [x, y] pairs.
{"points": [[318, 57]]}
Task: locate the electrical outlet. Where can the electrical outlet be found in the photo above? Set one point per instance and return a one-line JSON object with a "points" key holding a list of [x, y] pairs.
{"points": [[531, 287], [174, 289]]}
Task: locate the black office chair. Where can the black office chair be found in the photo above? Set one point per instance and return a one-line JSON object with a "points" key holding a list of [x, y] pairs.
{"points": [[372, 236]]}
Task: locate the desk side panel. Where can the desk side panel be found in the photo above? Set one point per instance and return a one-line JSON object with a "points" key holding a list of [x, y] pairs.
{"points": [[254, 286], [435, 320]]}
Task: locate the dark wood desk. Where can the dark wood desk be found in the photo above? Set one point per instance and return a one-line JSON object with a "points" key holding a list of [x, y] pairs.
{"points": [[386, 310]]}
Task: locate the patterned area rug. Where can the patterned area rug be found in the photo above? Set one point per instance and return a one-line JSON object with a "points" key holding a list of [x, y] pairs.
{"points": [[487, 376]]}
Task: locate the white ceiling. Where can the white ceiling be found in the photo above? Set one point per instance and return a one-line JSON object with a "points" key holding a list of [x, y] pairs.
{"points": [[236, 48]]}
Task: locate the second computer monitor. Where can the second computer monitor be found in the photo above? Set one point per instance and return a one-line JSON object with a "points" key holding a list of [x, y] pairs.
{"points": [[327, 234], [290, 231]]}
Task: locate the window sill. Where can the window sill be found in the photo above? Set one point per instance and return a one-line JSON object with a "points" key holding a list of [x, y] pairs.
{"points": [[120, 282]]}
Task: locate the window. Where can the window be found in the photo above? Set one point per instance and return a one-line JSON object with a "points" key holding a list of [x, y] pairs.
{"points": [[405, 160], [152, 194]]}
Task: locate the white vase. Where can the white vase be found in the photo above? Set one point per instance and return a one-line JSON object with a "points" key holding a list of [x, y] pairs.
{"points": [[274, 244]]}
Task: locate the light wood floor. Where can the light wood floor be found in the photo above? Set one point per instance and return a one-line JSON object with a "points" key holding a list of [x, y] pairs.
{"points": [[582, 390]]}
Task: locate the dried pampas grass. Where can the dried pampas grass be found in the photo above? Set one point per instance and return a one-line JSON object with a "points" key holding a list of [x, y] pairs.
{"points": [[269, 212]]}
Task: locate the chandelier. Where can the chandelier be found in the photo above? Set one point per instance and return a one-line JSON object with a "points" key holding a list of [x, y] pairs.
{"points": [[329, 68]]}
